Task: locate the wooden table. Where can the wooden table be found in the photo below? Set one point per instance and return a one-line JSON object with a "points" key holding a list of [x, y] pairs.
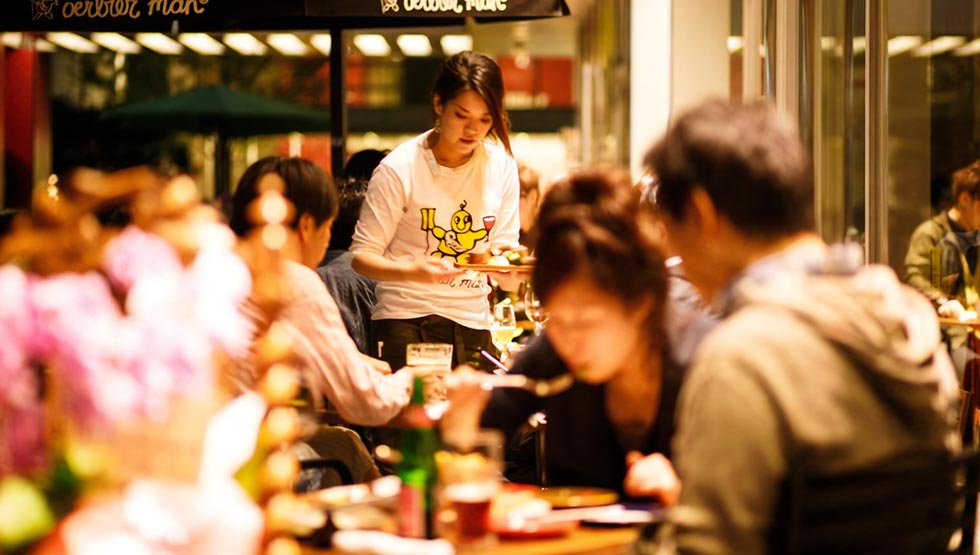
{"points": [[583, 541]]}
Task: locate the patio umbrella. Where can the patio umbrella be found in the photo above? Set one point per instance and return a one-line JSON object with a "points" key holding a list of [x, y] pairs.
{"points": [[224, 113]]}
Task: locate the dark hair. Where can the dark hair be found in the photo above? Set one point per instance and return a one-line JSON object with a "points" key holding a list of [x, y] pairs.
{"points": [[592, 224], [308, 187], [750, 162], [351, 198], [967, 180], [361, 164], [470, 71]]}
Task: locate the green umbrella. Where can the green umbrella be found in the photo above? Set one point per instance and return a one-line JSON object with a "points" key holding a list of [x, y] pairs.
{"points": [[225, 113]]}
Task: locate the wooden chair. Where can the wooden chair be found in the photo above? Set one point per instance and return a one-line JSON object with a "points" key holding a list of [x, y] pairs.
{"points": [[908, 505]]}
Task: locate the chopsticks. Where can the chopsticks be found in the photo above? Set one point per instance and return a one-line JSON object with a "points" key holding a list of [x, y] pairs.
{"points": [[501, 367]]}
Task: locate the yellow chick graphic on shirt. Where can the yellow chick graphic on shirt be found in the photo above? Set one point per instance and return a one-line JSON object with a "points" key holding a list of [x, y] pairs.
{"points": [[459, 239]]}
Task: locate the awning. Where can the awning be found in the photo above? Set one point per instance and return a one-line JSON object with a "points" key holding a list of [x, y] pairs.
{"points": [[255, 15]]}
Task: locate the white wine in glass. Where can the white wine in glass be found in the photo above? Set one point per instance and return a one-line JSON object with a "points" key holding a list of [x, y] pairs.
{"points": [[504, 328]]}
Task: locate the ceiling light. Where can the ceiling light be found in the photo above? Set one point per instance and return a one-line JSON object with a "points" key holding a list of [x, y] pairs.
{"points": [[202, 43], [454, 44], [937, 46], [827, 43], [12, 40], [322, 42], [372, 45], [902, 44], [414, 45], [734, 44], [159, 43], [116, 43], [73, 42], [42, 45], [287, 44], [968, 49], [245, 44]]}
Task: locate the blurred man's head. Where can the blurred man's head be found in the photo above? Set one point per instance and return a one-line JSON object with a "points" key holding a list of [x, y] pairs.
{"points": [[966, 196], [351, 192], [362, 163], [735, 182]]}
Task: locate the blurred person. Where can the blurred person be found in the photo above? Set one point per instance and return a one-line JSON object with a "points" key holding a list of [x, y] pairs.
{"points": [[819, 361], [530, 181], [439, 199], [361, 164], [923, 262], [353, 292], [687, 317], [600, 276], [363, 390]]}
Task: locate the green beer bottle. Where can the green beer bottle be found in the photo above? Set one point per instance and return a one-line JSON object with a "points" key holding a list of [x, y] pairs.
{"points": [[417, 469]]}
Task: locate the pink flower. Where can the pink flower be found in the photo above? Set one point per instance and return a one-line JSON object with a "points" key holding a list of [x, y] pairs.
{"points": [[134, 254]]}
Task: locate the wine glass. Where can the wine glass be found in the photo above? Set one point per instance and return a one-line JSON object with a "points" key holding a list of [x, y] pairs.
{"points": [[534, 310], [504, 327]]}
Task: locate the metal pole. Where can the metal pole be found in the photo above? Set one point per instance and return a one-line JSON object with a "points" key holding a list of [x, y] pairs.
{"points": [[338, 102], [876, 128]]}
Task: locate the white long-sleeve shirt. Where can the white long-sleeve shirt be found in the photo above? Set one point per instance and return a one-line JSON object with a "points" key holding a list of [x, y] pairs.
{"points": [[330, 361], [414, 208]]}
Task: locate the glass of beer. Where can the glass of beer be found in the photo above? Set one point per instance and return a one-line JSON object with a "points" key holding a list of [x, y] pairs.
{"points": [[432, 361], [469, 479]]}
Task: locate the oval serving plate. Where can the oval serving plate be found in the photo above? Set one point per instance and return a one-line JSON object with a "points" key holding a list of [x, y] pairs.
{"points": [[576, 496]]}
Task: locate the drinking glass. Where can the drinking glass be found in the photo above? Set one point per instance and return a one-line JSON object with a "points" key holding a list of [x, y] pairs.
{"points": [[504, 327], [534, 310], [432, 361], [469, 478]]}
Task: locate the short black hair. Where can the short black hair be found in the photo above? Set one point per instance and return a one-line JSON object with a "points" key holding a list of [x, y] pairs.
{"points": [[749, 161], [351, 199], [362, 163], [308, 187]]}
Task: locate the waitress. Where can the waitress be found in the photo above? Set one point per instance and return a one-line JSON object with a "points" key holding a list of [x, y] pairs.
{"points": [[445, 197]]}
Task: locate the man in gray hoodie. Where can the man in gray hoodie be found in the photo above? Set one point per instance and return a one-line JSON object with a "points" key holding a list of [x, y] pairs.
{"points": [[819, 360]]}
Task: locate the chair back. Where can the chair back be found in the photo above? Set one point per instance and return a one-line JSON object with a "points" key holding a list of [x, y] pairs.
{"points": [[914, 504]]}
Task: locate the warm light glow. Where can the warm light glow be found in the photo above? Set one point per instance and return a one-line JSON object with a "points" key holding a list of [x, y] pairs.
{"points": [[73, 42], [372, 45], [322, 42], [860, 45], [903, 43], [11, 40], [287, 44], [828, 43], [42, 45], [245, 44], [969, 49], [938, 46], [735, 44], [454, 44], [202, 43], [274, 209], [414, 45], [159, 43], [116, 43], [274, 237]]}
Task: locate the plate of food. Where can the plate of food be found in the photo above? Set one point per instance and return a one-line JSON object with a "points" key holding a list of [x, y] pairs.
{"points": [[575, 496], [509, 260]]}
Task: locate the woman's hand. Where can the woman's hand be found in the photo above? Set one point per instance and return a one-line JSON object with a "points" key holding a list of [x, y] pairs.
{"points": [[506, 280], [651, 476], [467, 399]]}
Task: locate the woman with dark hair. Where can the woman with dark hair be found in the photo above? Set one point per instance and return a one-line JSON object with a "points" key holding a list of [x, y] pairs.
{"points": [[600, 276], [362, 389], [447, 196]]}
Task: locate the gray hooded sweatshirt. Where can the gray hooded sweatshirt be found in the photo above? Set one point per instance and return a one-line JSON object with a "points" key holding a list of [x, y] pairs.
{"points": [[837, 371]]}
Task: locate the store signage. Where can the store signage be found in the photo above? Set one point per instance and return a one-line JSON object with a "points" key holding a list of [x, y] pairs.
{"points": [[100, 9], [444, 6]]}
